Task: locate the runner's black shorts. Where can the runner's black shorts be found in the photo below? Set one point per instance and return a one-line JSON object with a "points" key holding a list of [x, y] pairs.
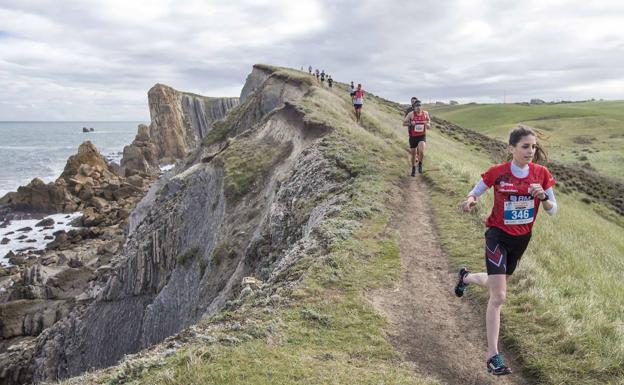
{"points": [[414, 140], [503, 251], [358, 106]]}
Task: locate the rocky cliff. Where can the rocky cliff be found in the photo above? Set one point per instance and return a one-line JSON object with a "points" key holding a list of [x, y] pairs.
{"points": [[246, 202], [179, 122]]}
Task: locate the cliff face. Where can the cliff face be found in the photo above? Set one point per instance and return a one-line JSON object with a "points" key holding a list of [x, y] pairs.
{"points": [[153, 292], [232, 212], [181, 120]]}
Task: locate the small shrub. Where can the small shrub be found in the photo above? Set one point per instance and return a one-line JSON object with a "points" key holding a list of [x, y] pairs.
{"points": [[187, 255], [226, 249], [312, 315], [583, 139], [218, 133]]}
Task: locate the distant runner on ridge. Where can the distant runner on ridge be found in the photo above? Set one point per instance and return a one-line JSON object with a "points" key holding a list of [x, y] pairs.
{"points": [[417, 122], [409, 109], [358, 101]]}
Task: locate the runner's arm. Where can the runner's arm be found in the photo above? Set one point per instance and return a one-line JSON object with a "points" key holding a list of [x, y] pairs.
{"points": [[479, 189], [407, 121], [551, 200]]}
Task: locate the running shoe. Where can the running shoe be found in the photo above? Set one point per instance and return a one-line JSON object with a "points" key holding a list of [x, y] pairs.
{"points": [[461, 286], [496, 365], [413, 170], [420, 167]]}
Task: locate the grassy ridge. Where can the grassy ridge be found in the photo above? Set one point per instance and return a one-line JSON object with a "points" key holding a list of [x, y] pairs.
{"points": [[565, 307], [327, 332], [590, 134]]}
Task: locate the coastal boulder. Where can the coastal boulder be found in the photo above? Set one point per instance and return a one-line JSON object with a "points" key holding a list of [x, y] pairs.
{"points": [[38, 196], [139, 158], [80, 166]]}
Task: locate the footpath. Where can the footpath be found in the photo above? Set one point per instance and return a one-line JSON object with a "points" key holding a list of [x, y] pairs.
{"points": [[444, 336]]}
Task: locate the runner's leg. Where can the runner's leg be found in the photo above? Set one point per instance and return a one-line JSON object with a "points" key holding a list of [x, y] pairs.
{"points": [[497, 285], [480, 279], [421, 150]]}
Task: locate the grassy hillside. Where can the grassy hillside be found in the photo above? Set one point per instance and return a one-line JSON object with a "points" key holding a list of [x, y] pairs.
{"points": [[590, 134], [565, 309]]}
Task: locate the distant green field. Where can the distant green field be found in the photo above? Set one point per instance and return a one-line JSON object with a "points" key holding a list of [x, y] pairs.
{"points": [[590, 134]]}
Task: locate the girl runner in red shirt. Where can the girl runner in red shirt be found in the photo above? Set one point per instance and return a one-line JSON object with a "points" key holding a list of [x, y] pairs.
{"points": [[520, 186]]}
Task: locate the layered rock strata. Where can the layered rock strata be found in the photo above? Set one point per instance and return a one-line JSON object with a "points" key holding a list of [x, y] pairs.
{"points": [[179, 122]]}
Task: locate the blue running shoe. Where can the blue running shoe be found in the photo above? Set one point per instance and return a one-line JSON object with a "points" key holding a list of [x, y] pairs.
{"points": [[461, 286], [496, 365]]}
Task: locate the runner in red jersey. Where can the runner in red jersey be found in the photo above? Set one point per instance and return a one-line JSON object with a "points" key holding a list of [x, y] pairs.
{"points": [[520, 186], [417, 122], [358, 101]]}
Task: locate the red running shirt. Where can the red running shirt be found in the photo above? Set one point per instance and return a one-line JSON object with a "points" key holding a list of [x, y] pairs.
{"points": [[514, 209], [419, 123]]}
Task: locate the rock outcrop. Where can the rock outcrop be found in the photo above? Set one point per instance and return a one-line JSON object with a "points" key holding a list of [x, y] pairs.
{"points": [[88, 183], [141, 156], [40, 197], [180, 120]]}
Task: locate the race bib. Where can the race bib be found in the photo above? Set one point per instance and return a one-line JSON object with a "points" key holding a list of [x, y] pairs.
{"points": [[519, 212], [419, 128]]}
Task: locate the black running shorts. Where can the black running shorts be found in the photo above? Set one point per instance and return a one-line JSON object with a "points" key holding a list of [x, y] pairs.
{"points": [[414, 140], [503, 251], [358, 106]]}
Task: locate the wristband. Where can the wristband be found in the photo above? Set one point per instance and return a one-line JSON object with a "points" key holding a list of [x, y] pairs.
{"points": [[545, 198]]}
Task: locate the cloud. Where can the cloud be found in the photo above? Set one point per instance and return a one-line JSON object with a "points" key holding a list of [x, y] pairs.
{"points": [[97, 59]]}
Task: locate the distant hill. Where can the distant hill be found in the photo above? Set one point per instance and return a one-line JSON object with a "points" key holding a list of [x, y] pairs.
{"points": [[590, 134]]}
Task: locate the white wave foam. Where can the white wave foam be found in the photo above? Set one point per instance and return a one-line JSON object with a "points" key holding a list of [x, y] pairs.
{"points": [[38, 234]]}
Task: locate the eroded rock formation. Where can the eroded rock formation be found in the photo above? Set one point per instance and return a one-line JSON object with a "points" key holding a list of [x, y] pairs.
{"points": [[179, 122]]}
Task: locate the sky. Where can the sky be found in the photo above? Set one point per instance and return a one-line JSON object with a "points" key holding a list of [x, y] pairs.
{"points": [[96, 59]]}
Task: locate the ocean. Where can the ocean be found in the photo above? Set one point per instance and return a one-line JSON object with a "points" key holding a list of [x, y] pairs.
{"points": [[41, 149]]}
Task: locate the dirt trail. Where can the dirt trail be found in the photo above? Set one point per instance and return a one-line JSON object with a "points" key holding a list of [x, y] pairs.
{"points": [[442, 334]]}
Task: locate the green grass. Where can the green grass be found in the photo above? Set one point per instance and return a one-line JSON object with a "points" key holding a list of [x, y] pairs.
{"points": [[245, 164], [565, 307], [590, 134], [217, 134]]}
